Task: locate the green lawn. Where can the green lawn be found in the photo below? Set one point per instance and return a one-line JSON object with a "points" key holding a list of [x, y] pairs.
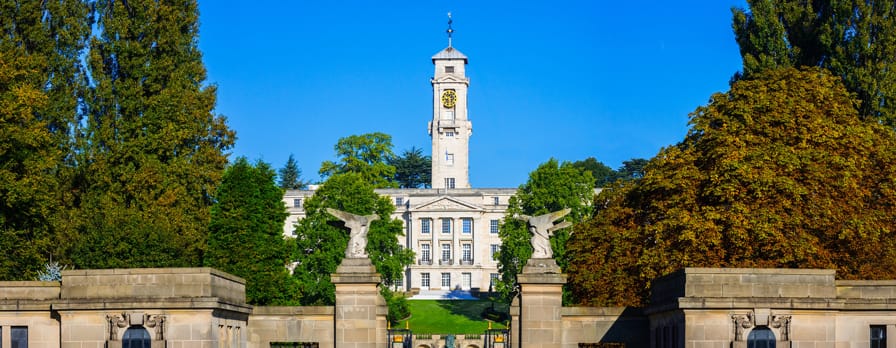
{"points": [[451, 317]]}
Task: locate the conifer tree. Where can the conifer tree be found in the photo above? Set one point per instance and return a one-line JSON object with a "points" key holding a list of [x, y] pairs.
{"points": [[246, 233], [41, 85], [291, 175], [155, 149]]}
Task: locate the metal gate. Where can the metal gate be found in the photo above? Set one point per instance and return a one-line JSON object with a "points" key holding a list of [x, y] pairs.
{"points": [[496, 338], [400, 338]]}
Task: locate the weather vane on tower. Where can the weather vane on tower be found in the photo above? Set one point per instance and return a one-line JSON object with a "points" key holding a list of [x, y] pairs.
{"points": [[449, 31]]}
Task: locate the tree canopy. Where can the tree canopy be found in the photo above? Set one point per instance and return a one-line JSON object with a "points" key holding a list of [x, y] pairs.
{"points": [[366, 154], [291, 175], [41, 83], [246, 233], [412, 169], [777, 172], [854, 39], [154, 151], [321, 239], [553, 186]]}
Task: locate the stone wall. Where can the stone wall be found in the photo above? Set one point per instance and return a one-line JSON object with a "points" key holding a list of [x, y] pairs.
{"points": [[604, 325], [291, 324]]}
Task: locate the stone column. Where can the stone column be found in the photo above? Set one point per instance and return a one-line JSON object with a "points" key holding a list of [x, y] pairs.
{"points": [[360, 310], [541, 299]]}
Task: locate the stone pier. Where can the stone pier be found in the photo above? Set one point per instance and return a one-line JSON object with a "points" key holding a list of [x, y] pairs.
{"points": [[540, 303], [360, 313]]}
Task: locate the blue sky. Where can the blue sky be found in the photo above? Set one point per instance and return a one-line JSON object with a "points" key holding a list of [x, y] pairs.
{"points": [[564, 79]]}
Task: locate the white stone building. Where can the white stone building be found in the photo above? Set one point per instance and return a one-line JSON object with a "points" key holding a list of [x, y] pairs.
{"points": [[452, 228]]}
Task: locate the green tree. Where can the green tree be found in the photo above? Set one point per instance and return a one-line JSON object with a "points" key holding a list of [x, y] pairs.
{"points": [[246, 234], [551, 187], [630, 170], [41, 83], [321, 239], [412, 169], [778, 172], [155, 149], [603, 175], [291, 175], [366, 154], [854, 39]]}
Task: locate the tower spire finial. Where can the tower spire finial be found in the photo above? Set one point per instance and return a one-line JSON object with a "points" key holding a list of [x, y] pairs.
{"points": [[449, 31]]}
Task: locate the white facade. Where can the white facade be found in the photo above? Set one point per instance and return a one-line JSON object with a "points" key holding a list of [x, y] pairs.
{"points": [[450, 128], [458, 243]]}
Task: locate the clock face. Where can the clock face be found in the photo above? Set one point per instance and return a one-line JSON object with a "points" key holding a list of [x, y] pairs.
{"points": [[449, 98]]}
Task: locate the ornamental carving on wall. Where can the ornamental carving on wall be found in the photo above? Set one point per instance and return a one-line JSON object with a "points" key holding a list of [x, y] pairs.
{"points": [[782, 323], [156, 322], [741, 322], [117, 321]]}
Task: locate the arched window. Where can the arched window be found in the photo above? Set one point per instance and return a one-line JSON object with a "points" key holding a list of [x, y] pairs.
{"points": [[761, 337], [135, 337]]}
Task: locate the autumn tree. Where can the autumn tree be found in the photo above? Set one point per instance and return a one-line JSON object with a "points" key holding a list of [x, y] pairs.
{"points": [[366, 154], [42, 83], [321, 239], [291, 175], [246, 233], [854, 39], [553, 186], [778, 172], [412, 169], [155, 148]]}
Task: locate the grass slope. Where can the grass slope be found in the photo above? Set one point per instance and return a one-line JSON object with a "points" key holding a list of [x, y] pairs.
{"points": [[450, 317]]}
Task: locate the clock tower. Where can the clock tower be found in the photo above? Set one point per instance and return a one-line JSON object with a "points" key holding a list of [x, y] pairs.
{"points": [[450, 129]]}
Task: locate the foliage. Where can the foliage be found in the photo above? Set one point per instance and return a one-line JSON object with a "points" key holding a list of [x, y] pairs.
{"points": [[778, 172], [602, 174], [854, 39], [551, 187], [246, 233], [398, 306], [630, 170], [321, 239], [366, 154], [412, 169], [41, 83], [154, 150], [452, 316], [291, 175]]}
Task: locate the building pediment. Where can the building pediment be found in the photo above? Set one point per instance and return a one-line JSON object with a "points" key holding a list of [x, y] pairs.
{"points": [[446, 203]]}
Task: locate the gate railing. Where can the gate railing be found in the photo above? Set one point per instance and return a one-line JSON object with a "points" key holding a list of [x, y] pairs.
{"points": [[400, 338], [496, 338]]}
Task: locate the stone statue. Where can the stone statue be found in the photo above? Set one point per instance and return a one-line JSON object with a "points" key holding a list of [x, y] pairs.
{"points": [[358, 226], [541, 227]]}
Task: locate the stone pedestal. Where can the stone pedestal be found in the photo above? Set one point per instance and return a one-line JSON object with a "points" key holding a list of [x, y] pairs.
{"points": [[541, 300], [360, 310]]}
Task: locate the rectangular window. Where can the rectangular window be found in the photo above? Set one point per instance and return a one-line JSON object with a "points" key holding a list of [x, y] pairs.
{"points": [[878, 336], [467, 252], [449, 183], [494, 251], [297, 203], [425, 252], [449, 69], [446, 252], [399, 201], [448, 115], [496, 201], [449, 133], [493, 226], [449, 159], [446, 280], [493, 279], [424, 280], [19, 336], [425, 225], [467, 225], [466, 280], [446, 225]]}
